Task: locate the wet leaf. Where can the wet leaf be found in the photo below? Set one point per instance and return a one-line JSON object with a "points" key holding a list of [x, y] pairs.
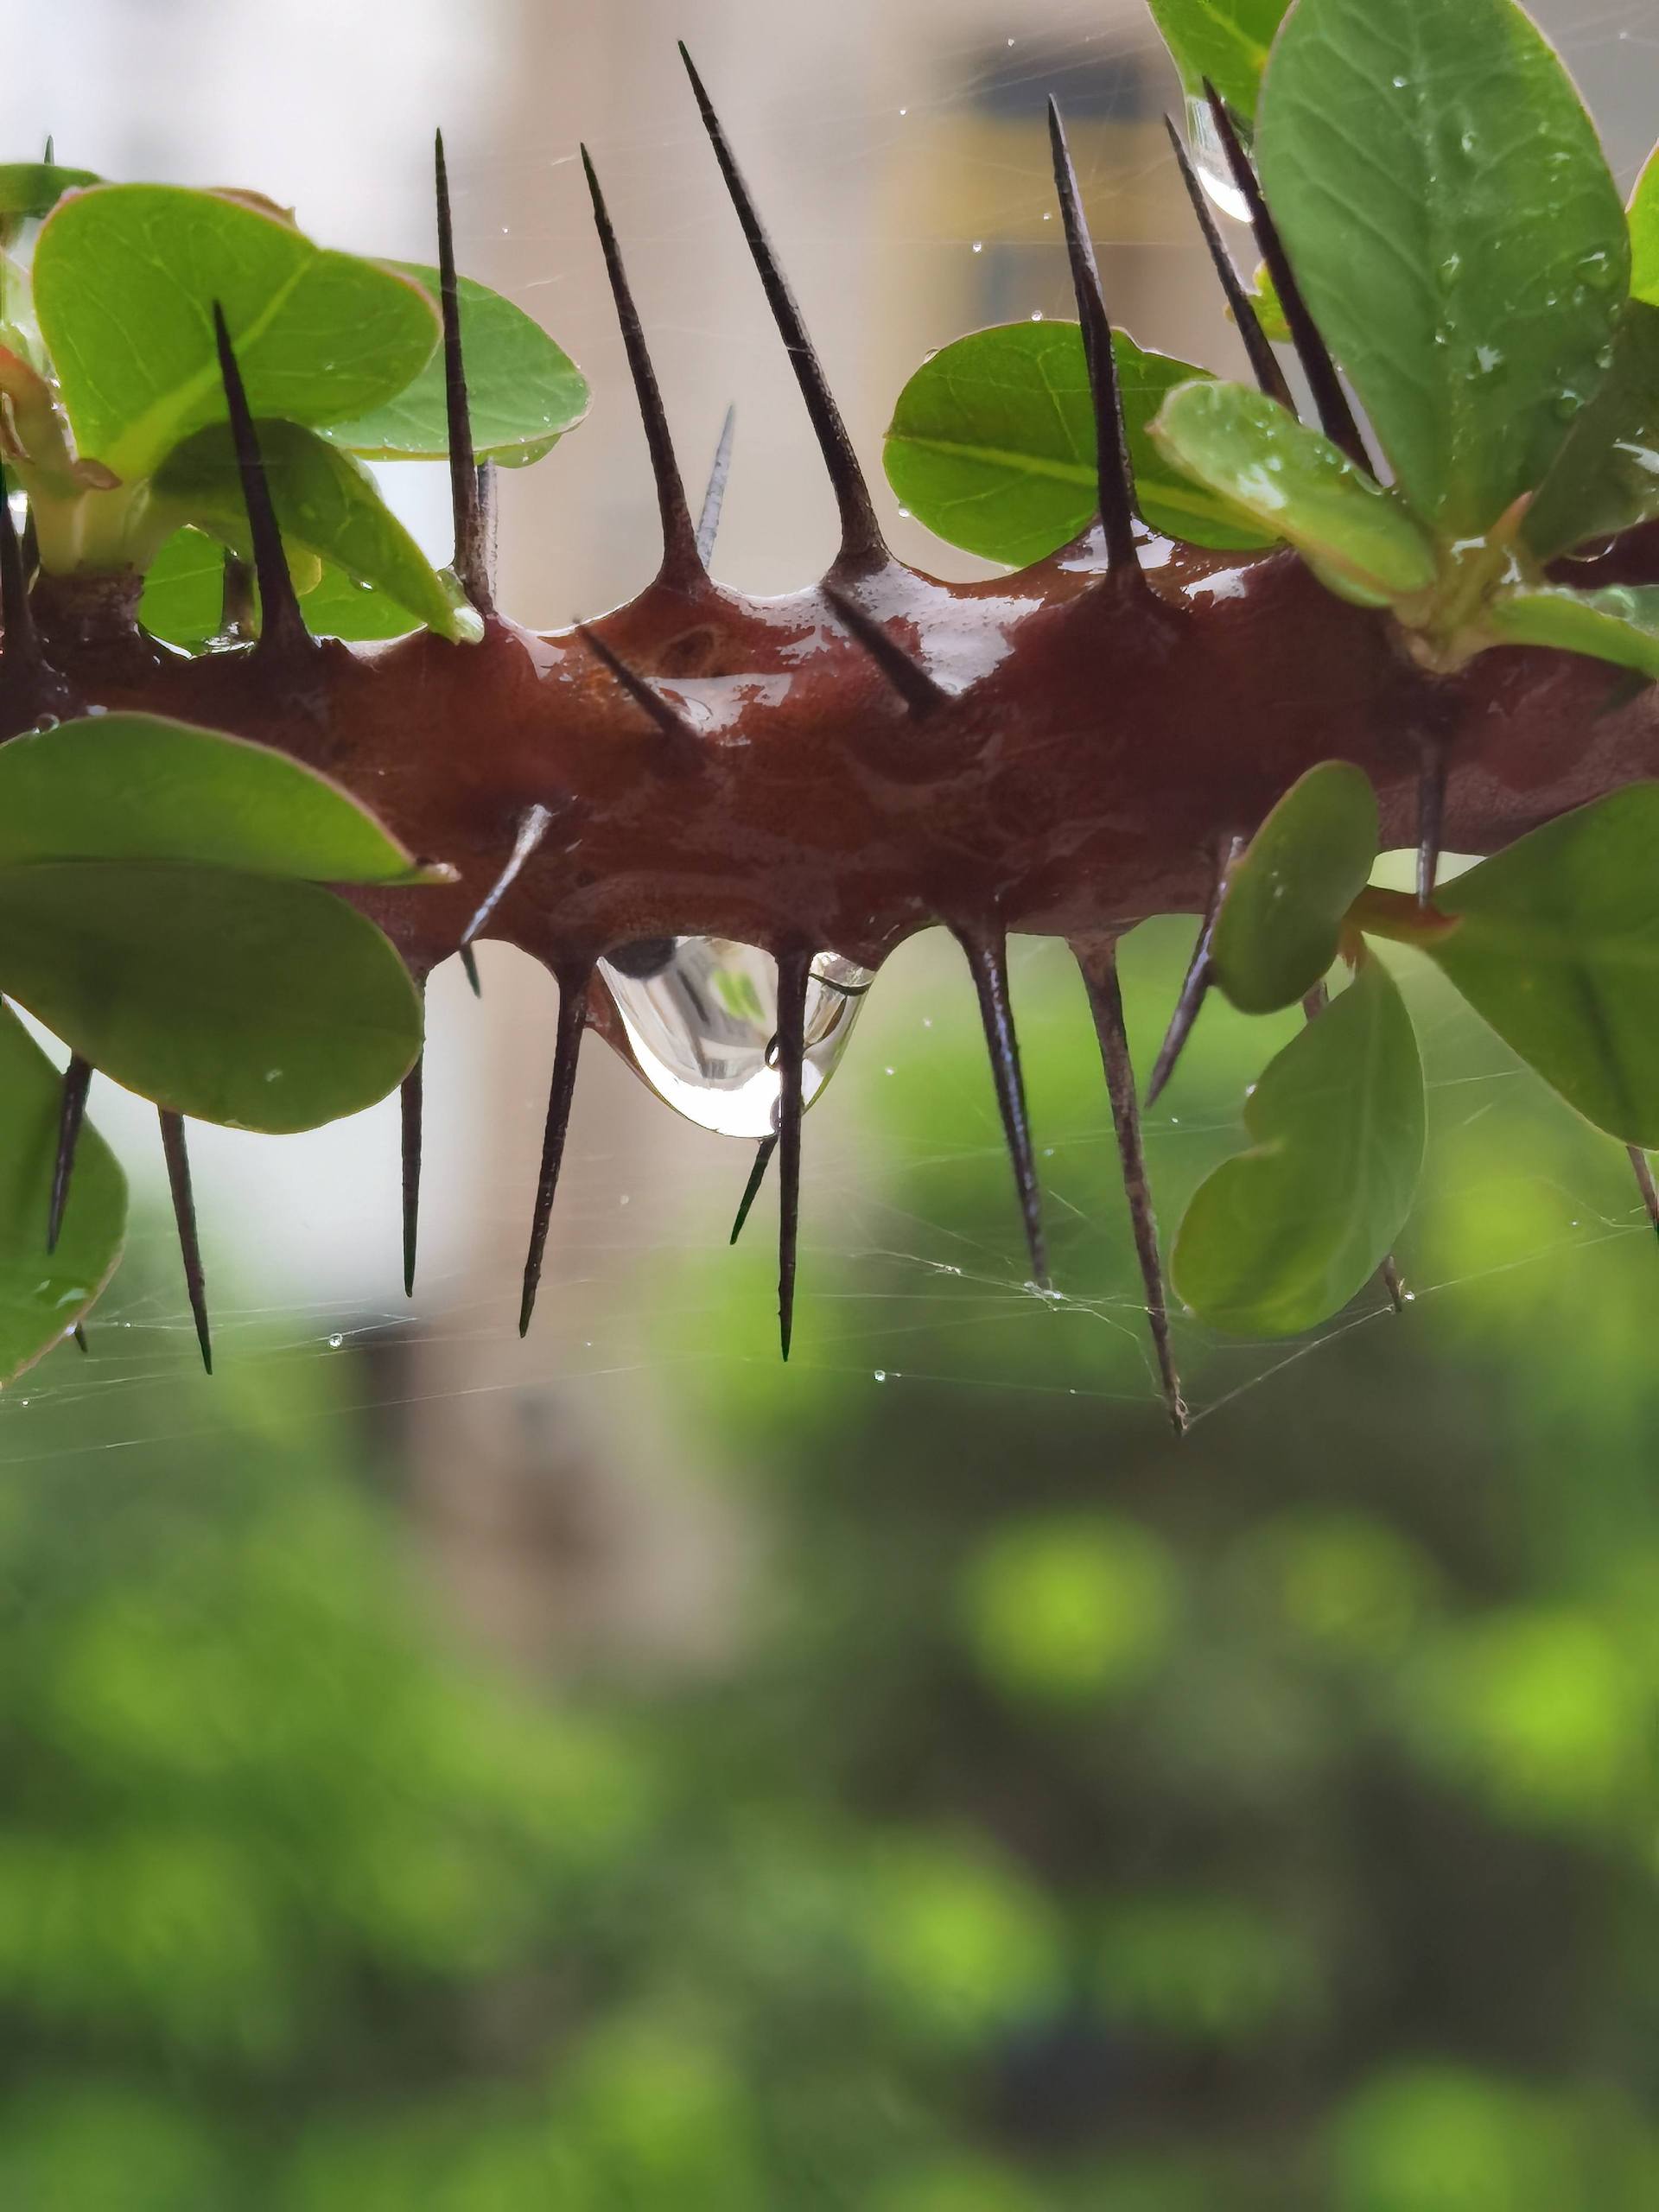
{"points": [[1254, 455], [1644, 233], [1605, 478], [992, 445], [1558, 949], [1619, 623], [1279, 921], [1456, 233], [125, 276], [1226, 41], [1280, 1237], [261, 1002], [42, 1295], [184, 593], [523, 391], [137, 787]]}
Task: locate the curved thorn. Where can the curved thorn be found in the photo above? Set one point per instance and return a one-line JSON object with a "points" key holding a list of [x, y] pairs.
{"points": [[1195, 986], [680, 552], [1644, 1183], [21, 643], [861, 533], [71, 1113], [472, 551], [793, 970], [686, 747], [987, 960], [1336, 416], [1114, 471], [573, 1010], [919, 691], [282, 624], [470, 968], [1389, 1274], [715, 498], [184, 1216], [1106, 1003], [1431, 816], [763, 1152], [1264, 362], [532, 827]]}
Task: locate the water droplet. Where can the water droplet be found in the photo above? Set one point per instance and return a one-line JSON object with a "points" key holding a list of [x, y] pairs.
{"points": [[880, 1376], [979, 245], [1567, 404], [336, 1340], [1036, 314], [699, 1029], [904, 111], [43, 723], [1210, 160]]}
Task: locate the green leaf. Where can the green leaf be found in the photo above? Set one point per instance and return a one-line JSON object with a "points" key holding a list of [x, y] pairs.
{"points": [[326, 502], [184, 594], [34, 188], [1456, 233], [1557, 948], [341, 607], [1257, 456], [1226, 41], [992, 445], [1270, 308], [1644, 233], [1620, 623], [1280, 922], [125, 276], [523, 391], [42, 1295], [249, 999], [1605, 478], [1283, 1235], [137, 787]]}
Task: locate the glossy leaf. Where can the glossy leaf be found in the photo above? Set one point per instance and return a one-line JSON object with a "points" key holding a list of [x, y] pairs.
{"points": [[34, 188], [1619, 623], [1282, 1237], [326, 503], [125, 276], [137, 787], [1606, 475], [261, 1002], [1278, 927], [42, 1295], [992, 445], [1456, 231], [1254, 454], [184, 597], [1558, 949], [1226, 41], [523, 391], [1644, 233]]}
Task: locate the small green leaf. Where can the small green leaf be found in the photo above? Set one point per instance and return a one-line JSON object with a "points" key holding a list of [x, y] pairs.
{"points": [[42, 1295], [1644, 233], [341, 607], [1557, 948], [326, 503], [1257, 456], [1270, 308], [30, 189], [184, 597], [1280, 922], [136, 787], [260, 1002], [523, 391], [1226, 41], [1620, 623], [1283, 1235], [1605, 478], [992, 445], [1456, 231], [125, 277]]}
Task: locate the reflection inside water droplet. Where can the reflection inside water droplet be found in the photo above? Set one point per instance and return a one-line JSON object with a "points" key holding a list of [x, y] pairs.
{"points": [[1210, 159], [701, 1028]]}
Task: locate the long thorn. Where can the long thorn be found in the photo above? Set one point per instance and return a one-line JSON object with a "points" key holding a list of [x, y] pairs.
{"points": [[1389, 1274], [1644, 1183], [1106, 1002], [680, 554], [282, 624], [532, 827], [184, 1216], [22, 644], [472, 550], [793, 970], [411, 1100], [1431, 816], [987, 960], [484, 477], [903, 671], [1114, 471], [71, 1113], [1195, 986], [861, 533], [685, 745], [573, 1010], [715, 498], [1264, 362], [1336, 417], [470, 968], [763, 1152]]}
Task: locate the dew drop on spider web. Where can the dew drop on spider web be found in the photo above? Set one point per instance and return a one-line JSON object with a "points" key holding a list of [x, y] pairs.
{"points": [[1210, 160]]}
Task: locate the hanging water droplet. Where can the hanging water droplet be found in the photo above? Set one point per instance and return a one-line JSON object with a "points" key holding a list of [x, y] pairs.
{"points": [[979, 245], [701, 1029], [336, 1340], [1210, 159]]}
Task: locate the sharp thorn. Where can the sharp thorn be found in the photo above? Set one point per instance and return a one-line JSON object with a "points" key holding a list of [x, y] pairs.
{"points": [[572, 1011], [48, 157], [793, 970], [71, 1113], [1114, 471], [763, 1152], [861, 533], [184, 1216], [1644, 1183], [472, 550], [686, 751], [1106, 1002], [1389, 1274], [1336, 416], [919, 691], [1430, 816], [484, 477], [1264, 362], [21, 640], [282, 623], [470, 968], [532, 827], [680, 553], [987, 961], [31, 542], [411, 1102], [79, 1333], [715, 498], [1195, 987]]}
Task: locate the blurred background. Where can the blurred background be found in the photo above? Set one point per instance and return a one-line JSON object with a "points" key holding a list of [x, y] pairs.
{"points": [[614, 1773]]}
